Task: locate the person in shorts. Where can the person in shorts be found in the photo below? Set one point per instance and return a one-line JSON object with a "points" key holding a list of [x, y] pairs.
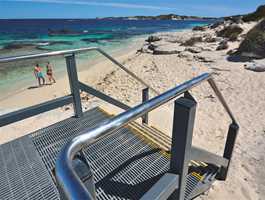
{"points": [[39, 75]]}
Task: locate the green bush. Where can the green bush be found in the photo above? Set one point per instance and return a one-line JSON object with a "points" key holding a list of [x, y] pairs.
{"points": [[254, 43], [231, 32], [257, 15], [192, 41]]}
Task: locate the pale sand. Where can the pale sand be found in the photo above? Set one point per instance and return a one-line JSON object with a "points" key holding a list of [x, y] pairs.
{"points": [[244, 91]]}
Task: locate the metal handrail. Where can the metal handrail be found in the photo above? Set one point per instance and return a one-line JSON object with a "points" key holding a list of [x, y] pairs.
{"points": [[67, 178], [80, 50], [221, 99]]}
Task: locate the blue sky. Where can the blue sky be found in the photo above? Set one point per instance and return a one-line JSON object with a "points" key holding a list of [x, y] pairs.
{"points": [[103, 8]]}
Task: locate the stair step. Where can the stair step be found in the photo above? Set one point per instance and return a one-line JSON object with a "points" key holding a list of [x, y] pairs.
{"points": [[159, 135], [155, 136]]}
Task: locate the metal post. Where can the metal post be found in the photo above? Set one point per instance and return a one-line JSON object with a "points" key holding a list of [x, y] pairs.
{"points": [[184, 115], [74, 85], [145, 97], [229, 148]]}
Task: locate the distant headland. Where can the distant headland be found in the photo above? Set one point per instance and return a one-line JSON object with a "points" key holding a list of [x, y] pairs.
{"points": [[161, 17], [258, 14]]}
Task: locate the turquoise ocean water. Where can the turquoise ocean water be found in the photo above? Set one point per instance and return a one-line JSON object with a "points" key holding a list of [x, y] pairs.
{"points": [[20, 37]]}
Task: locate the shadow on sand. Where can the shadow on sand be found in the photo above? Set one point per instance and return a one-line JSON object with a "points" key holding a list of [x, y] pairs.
{"points": [[36, 86], [238, 58]]}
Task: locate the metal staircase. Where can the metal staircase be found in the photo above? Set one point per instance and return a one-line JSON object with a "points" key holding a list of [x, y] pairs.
{"points": [[95, 155]]}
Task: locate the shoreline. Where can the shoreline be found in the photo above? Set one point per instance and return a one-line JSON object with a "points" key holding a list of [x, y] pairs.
{"points": [[26, 80], [83, 66]]}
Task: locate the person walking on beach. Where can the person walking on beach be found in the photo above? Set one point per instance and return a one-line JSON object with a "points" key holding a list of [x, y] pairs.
{"points": [[39, 75], [49, 73]]}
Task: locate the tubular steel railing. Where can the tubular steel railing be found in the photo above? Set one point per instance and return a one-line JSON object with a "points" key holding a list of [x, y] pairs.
{"points": [[67, 178]]}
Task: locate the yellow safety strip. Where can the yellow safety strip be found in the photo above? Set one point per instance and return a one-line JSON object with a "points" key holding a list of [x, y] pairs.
{"points": [[198, 176], [152, 142]]}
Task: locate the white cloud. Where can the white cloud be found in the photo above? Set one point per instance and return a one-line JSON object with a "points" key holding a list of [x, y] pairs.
{"points": [[94, 3]]}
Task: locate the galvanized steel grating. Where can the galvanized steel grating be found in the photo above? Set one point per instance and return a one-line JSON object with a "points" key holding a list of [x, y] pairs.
{"points": [[22, 173], [50, 140], [124, 165]]}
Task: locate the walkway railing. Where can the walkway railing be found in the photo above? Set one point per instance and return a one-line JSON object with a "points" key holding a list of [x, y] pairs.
{"points": [[72, 186], [75, 86]]}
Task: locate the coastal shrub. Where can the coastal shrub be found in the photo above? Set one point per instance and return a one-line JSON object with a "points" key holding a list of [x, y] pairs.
{"points": [[255, 16], [253, 45], [233, 37], [192, 41], [231, 32], [234, 19]]}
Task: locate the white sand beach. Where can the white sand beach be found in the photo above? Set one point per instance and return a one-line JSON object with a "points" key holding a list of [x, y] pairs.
{"points": [[243, 89]]}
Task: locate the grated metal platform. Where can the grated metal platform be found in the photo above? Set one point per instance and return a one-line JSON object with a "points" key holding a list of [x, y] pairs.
{"points": [[23, 174], [125, 165], [49, 141]]}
